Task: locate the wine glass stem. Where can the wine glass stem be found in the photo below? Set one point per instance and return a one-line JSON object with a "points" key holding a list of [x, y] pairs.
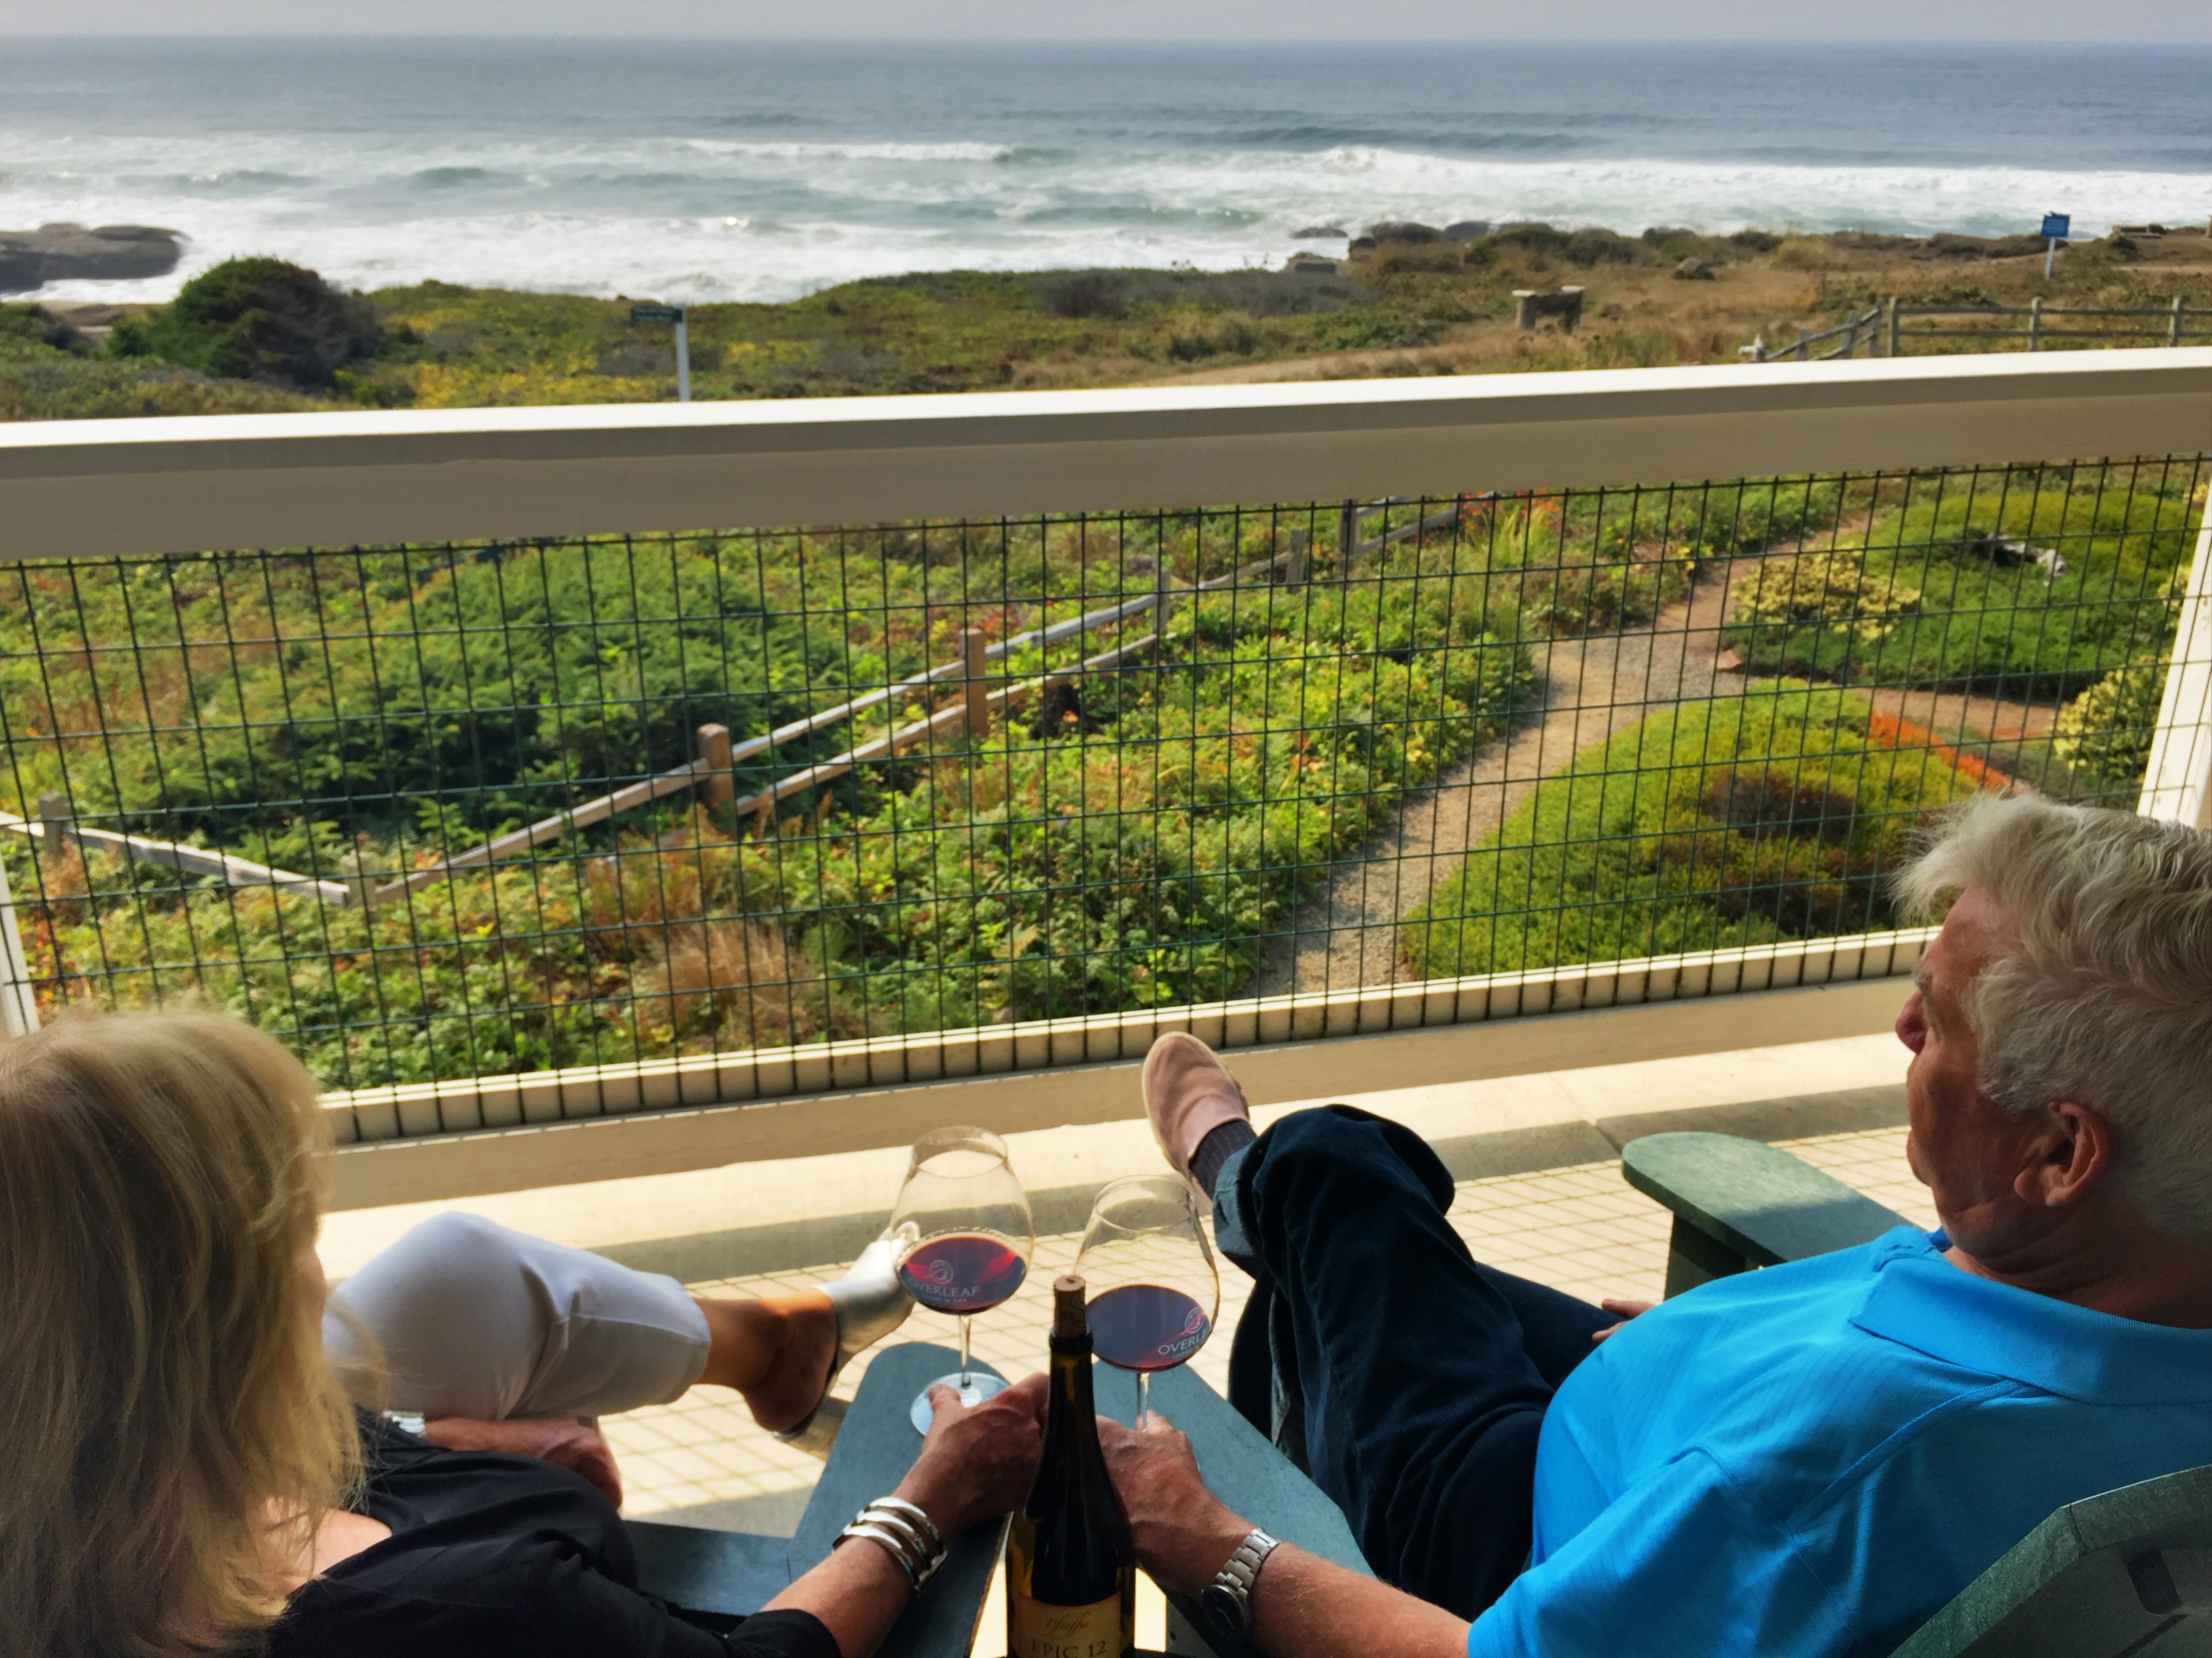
{"points": [[1143, 1395], [965, 1384]]}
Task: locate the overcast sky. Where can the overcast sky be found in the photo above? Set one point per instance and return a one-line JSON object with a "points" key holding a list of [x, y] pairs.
{"points": [[1141, 20]]}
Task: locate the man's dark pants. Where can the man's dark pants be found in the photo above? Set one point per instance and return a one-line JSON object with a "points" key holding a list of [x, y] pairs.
{"points": [[1408, 1379]]}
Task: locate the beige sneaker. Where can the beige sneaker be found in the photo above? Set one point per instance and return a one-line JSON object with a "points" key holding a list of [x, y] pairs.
{"points": [[1189, 1093]]}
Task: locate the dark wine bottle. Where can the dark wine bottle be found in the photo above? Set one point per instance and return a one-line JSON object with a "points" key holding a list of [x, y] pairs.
{"points": [[1071, 1574]]}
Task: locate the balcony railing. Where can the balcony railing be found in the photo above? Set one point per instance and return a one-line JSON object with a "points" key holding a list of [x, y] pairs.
{"points": [[450, 747]]}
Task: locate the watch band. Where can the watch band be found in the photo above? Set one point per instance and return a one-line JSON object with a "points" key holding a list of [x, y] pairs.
{"points": [[1227, 1600], [407, 1421]]}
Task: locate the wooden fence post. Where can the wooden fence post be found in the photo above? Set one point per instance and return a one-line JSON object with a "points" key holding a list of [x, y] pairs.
{"points": [[360, 880], [716, 786], [1893, 314], [1347, 538], [1294, 575], [972, 647], [1804, 351], [2177, 781], [2173, 323], [54, 815], [2035, 324]]}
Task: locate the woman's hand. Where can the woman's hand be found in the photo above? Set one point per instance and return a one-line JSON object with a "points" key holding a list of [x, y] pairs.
{"points": [[1182, 1532], [977, 1463]]}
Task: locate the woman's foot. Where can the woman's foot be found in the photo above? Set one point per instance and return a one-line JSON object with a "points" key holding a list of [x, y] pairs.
{"points": [[782, 1352], [1188, 1094]]}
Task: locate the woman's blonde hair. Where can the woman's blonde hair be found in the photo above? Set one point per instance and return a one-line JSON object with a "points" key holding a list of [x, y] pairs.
{"points": [[170, 1436]]}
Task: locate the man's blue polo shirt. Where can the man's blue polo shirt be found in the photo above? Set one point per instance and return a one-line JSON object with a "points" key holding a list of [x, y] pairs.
{"points": [[1813, 1458]]}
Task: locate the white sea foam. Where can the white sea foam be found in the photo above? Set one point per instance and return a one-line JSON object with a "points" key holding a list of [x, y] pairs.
{"points": [[699, 218]]}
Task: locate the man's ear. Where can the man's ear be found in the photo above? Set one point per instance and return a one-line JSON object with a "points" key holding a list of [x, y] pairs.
{"points": [[2067, 1154]]}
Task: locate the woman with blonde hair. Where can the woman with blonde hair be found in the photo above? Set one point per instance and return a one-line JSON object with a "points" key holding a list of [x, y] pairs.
{"points": [[182, 1470]]}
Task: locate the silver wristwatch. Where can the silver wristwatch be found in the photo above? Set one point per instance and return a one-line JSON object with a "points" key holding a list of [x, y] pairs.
{"points": [[1227, 1600]]}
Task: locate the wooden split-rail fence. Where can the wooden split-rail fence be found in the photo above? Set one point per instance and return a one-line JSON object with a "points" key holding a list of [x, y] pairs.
{"points": [[710, 773], [1883, 329]]}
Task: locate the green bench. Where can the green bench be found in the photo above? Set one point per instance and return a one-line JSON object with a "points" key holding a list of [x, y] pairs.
{"points": [[2126, 1574], [725, 1575]]}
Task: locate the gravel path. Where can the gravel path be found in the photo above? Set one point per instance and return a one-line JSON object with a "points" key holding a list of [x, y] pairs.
{"points": [[1346, 934]]}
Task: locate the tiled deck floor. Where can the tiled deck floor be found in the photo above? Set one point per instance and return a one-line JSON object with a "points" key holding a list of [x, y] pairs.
{"points": [[1580, 1228]]}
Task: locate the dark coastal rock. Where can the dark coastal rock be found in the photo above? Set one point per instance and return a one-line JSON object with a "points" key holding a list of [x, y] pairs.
{"points": [[67, 252], [1467, 230], [1319, 232], [1311, 264], [1406, 231], [1693, 271]]}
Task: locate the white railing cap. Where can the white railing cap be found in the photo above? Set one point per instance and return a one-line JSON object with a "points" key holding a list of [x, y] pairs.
{"points": [[183, 483]]}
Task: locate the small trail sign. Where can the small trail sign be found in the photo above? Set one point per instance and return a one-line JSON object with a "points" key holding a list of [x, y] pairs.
{"points": [[672, 313], [2055, 227]]}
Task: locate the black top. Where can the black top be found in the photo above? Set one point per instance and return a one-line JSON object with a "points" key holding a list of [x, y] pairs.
{"points": [[493, 1555]]}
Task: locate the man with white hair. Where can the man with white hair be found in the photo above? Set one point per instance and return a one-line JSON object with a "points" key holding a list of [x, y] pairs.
{"points": [[1809, 1460]]}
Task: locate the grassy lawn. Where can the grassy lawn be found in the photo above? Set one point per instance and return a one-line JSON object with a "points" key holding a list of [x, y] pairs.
{"points": [[1900, 582], [1773, 815]]}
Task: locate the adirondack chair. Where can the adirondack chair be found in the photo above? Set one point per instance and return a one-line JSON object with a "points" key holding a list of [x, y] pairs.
{"points": [[2127, 1574], [727, 1575]]}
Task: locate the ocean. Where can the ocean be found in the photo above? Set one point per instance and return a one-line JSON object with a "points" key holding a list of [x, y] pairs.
{"points": [[720, 170]]}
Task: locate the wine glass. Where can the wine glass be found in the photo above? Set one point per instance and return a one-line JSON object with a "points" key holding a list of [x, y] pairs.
{"points": [[1154, 1291], [962, 1236]]}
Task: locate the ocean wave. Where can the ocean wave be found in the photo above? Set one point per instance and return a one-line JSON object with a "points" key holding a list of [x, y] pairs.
{"points": [[794, 150], [701, 219]]}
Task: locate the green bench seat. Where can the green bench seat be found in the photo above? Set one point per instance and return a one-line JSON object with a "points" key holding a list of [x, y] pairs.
{"points": [[1740, 1204]]}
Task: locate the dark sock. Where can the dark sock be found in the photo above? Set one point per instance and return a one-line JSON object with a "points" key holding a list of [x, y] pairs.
{"points": [[1216, 1149]]}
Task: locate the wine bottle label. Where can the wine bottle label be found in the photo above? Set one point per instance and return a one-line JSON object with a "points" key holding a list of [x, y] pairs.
{"points": [[1038, 1630]]}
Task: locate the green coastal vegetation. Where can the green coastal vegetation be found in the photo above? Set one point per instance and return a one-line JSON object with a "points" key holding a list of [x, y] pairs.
{"points": [[257, 334], [1131, 844], [1127, 848]]}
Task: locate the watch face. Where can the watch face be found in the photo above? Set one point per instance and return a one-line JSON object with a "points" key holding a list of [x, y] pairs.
{"points": [[1224, 1610]]}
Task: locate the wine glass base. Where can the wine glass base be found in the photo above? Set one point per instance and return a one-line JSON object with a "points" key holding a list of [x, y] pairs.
{"points": [[980, 1388]]}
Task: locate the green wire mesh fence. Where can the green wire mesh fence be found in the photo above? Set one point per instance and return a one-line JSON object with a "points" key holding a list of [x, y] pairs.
{"points": [[442, 811]]}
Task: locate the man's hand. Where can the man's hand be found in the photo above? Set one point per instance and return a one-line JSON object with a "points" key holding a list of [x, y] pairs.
{"points": [[978, 1464], [1183, 1533], [561, 1441], [1624, 1310]]}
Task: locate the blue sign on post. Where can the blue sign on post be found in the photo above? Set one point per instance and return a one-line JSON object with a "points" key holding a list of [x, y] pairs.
{"points": [[2055, 226]]}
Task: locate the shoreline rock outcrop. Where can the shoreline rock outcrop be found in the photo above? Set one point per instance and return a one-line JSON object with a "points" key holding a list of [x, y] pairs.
{"points": [[29, 259]]}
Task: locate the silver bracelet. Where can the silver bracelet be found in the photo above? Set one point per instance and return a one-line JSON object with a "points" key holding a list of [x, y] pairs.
{"points": [[919, 1516], [904, 1531]]}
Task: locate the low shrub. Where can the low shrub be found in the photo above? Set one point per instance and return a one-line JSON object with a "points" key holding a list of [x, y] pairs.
{"points": [[257, 319], [1831, 589], [2107, 730]]}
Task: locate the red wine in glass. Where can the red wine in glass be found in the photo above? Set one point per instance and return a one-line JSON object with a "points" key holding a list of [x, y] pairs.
{"points": [[962, 1273], [1147, 1327]]}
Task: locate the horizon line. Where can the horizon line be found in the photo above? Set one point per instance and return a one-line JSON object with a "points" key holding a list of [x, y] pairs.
{"points": [[1351, 42]]}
